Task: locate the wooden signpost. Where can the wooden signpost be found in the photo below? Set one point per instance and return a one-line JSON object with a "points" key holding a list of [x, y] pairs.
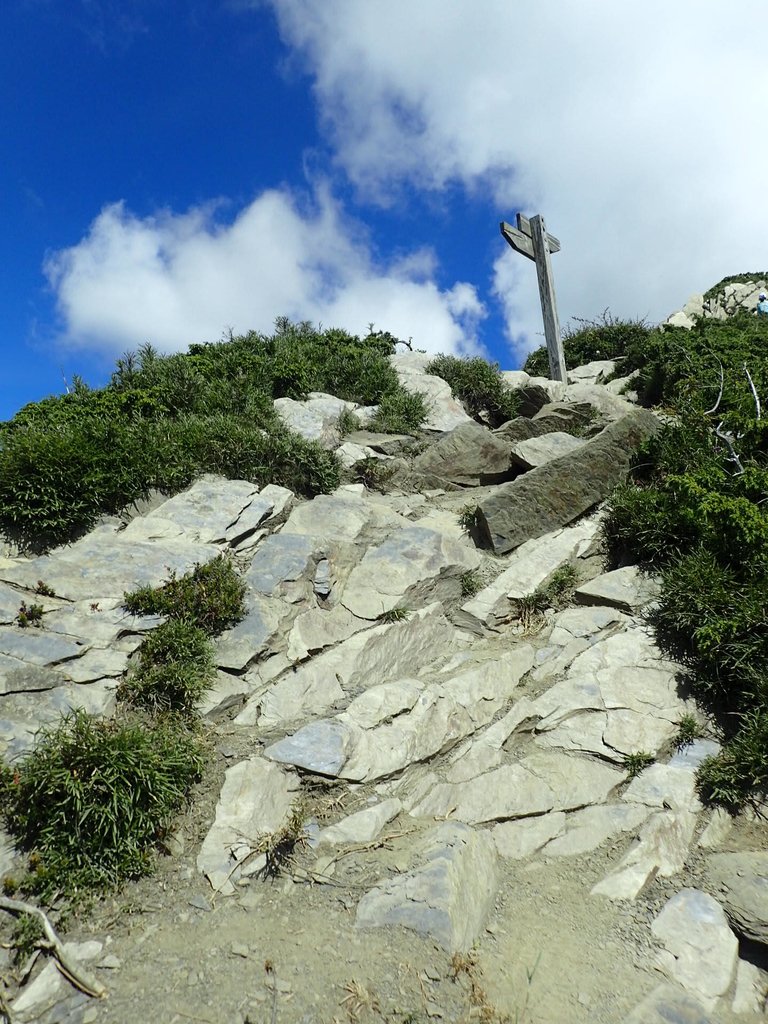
{"points": [[532, 240]]}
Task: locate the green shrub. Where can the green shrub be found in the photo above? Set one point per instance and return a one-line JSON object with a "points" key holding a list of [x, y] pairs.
{"points": [[608, 337], [30, 615], [479, 385], [348, 422], [470, 583], [93, 797], [399, 412], [740, 770], [637, 762], [175, 669], [210, 596]]}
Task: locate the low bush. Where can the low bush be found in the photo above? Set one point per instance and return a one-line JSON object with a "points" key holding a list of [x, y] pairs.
{"points": [[479, 385], [92, 799], [175, 669], [399, 412], [211, 597], [695, 511], [607, 337]]}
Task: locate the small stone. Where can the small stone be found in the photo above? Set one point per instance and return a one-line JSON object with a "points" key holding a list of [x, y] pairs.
{"points": [[199, 902]]}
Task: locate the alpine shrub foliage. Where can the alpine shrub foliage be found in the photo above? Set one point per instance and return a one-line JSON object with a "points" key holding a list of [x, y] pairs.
{"points": [[91, 801], [696, 509], [163, 420], [479, 385]]}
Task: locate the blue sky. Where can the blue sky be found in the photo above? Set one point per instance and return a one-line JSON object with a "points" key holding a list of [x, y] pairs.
{"points": [[172, 169]]}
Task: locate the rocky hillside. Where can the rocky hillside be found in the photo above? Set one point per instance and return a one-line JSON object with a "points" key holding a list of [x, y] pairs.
{"points": [[451, 774]]}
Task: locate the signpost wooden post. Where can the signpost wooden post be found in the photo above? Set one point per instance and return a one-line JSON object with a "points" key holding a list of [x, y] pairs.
{"points": [[532, 240]]}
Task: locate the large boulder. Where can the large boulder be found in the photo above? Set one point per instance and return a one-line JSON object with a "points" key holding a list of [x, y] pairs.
{"points": [[470, 456], [741, 883], [553, 495]]}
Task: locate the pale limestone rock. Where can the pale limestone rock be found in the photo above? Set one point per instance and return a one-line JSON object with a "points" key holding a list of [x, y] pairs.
{"points": [[448, 896], [610, 407], [444, 411], [751, 990], [537, 451], [255, 799], [661, 848], [527, 568], [664, 785], [700, 949], [106, 564], [50, 985], [321, 747], [592, 373], [717, 829], [555, 389], [668, 1004], [535, 785], [442, 715], [205, 512], [741, 883], [316, 418], [515, 379], [380, 703], [626, 588], [363, 826], [574, 630], [318, 628], [95, 664], [366, 659], [590, 827], [516, 840], [345, 517], [409, 565]]}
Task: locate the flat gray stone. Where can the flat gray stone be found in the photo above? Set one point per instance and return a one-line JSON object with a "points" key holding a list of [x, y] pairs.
{"points": [[740, 881], [516, 840], [21, 677], [526, 569], [447, 897], [592, 373], [626, 588], [363, 826], [106, 564], [280, 559], [535, 785], [470, 455], [372, 656], [700, 950], [205, 511], [587, 829], [37, 646], [10, 601], [553, 495], [538, 451], [409, 565], [668, 1004], [237, 647], [320, 747], [315, 418], [255, 800], [660, 849]]}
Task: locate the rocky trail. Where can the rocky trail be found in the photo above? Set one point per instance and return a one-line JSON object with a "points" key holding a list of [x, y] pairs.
{"points": [[426, 798]]}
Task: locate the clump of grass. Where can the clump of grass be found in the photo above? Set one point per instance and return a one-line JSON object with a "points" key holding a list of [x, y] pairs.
{"points": [[688, 730], [373, 473], [28, 933], [399, 412], [175, 669], [396, 614], [554, 594], [740, 770], [44, 590], [479, 385], [29, 615], [470, 583], [92, 799], [211, 597], [637, 762], [279, 847], [348, 422], [467, 516]]}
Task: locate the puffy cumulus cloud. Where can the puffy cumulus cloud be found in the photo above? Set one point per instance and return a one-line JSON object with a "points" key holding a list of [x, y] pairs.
{"points": [[173, 279], [636, 127]]}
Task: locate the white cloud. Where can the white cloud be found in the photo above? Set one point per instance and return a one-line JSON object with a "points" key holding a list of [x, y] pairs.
{"points": [[173, 279], [637, 127]]}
